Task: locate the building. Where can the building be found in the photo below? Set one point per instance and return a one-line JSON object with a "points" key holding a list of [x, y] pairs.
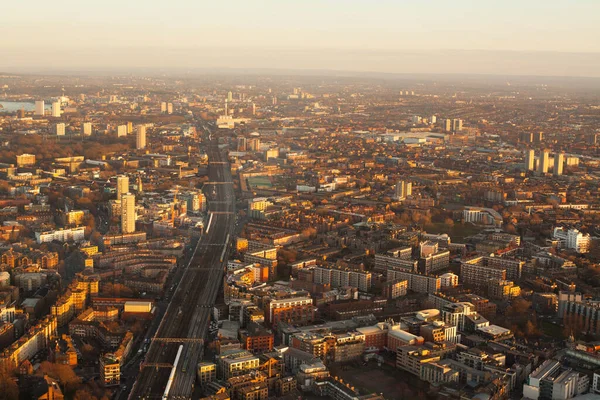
{"points": [[457, 125], [559, 161], [553, 381], [434, 262], [412, 358], [122, 186], [296, 310], [140, 137], [342, 278], [121, 130], [56, 111], [242, 144], [40, 108], [169, 108], [207, 372], [37, 338], [256, 339], [572, 239], [479, 274], [503, 290], [110, 370], [403, 190], [530, 160], [128, 215], [513, 268], [439, 373], [25, 160], [416, 282], [480, 215], [254, 144], [544, 162], [233, 363], [448, 125], [60, 129], [394, 289], [455, 314], [398, 259], [86, 129], [449, 280], [61, 235]]}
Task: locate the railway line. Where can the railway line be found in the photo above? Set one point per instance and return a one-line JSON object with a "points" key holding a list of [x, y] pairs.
{"points": [[179, 339]]}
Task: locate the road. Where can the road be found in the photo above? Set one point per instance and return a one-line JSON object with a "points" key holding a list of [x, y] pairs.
{"points": [[188, 314]]}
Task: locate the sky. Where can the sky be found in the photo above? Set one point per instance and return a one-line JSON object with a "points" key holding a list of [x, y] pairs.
{"points": [[551, 37]]}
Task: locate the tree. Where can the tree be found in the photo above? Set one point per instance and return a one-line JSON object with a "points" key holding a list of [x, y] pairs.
{"points": [[63, 373], [83, 394], [8, 387]]}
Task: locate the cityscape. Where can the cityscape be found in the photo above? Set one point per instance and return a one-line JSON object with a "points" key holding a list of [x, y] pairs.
{"points": [[248, 233]]}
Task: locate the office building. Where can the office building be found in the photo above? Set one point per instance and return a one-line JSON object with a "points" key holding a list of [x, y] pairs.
{"points": [[60, 129], [169, 108], [544, 162], [140, 137], [86, 129], [163, 107], [122, 185], [128, 216], [559, 160], [530, 160], [39, 107], [229, 96], [56, 112]]}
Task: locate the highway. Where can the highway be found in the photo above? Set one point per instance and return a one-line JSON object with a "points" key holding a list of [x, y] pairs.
{"points": [[186, 320]]}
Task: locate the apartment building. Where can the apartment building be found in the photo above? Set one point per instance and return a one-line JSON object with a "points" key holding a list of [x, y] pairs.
{"points": [[235, 363], [342, 278], [479, 275], [296, 310], [416, 282]]}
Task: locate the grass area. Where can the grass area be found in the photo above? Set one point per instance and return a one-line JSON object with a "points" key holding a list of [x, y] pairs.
{"points": [[260, 181], [391, 382], [553, 330], [457, 232]]}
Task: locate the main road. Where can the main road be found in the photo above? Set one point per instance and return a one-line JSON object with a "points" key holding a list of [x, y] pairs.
{"points": [[169, 370]]}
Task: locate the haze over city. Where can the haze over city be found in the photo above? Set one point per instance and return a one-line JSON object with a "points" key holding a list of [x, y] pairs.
{"points": [[535, 37]]}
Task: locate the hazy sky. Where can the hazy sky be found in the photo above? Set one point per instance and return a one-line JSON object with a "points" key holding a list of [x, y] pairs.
{"points": [[131, 33]]}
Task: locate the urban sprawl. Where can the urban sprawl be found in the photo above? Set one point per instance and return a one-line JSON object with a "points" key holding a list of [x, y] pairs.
{"points": [[288, 237]]}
